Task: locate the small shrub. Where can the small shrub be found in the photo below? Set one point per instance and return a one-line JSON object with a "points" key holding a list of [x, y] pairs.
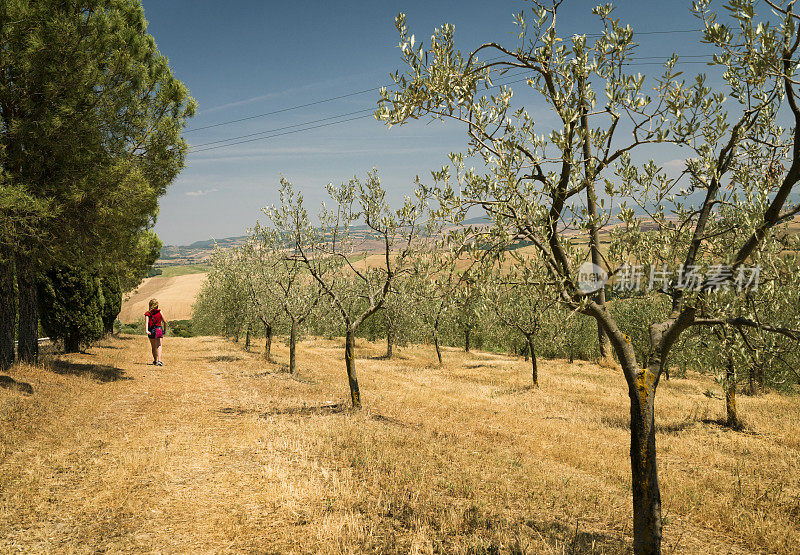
{"points": [[136, 328], [180, 328]]}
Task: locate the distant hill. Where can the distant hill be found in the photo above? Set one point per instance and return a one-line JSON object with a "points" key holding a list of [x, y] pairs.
{"points": [[209, 243], [198, 252]]}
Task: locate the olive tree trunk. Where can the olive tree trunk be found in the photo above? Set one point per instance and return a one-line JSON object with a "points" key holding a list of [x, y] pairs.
{"points": [[350, 363], [268, 341], [642, 384], [730, 396], [534, 367], [8, 313], [644, 472], [466, 339], [247, 339], [292, 344], [389, 341], [436, 343]]}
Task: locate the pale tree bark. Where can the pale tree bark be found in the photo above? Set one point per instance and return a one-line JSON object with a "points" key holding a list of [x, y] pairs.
{"points": [[730, 396], [350, 364], [436, 346], [267, 341], [292, 346], [590, 175], [389, 340]]}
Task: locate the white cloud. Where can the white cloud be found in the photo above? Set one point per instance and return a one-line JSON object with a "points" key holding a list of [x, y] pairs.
{"points": [[200, 192], [677, 164]]}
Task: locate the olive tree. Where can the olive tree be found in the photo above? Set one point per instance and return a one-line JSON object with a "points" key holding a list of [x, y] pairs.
{"points": [[440, 272], [536, 185], [283, 282], [354, 265], [223, 304], [519, 300]]}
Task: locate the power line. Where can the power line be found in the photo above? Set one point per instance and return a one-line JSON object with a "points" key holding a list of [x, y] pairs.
{"points": [[284, 133], [280, 128], [281, 110], [281, 131], [269, 133], [356, 93], [669, 32]]}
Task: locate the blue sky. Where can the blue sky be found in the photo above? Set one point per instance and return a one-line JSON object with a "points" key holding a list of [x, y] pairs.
{"points": [[242, 58]]}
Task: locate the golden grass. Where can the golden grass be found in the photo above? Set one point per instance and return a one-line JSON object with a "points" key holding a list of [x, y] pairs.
{"points": [[175, 295], [219, 451]]}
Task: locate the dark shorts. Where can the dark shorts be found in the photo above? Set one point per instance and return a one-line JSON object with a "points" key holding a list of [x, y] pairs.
{"points": [[156, 332]]}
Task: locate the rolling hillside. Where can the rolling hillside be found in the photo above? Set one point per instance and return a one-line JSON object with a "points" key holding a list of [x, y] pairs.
{"points": [[175, 296]]}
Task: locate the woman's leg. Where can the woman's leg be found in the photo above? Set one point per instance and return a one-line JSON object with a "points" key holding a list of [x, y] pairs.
{"points": [[158, 342], [155, 347]]}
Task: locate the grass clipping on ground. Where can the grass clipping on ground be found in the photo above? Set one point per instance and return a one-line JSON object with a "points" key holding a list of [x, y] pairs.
{"points": [[221, 451]]}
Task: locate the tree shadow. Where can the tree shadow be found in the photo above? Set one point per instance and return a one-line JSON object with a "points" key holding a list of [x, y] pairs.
{"points": [[513, 390], [7, 382], [223, 358], [624, 423], [723, 423], [99, 372], [389, 420], [305, 410], [575, 541], [396, 357]]}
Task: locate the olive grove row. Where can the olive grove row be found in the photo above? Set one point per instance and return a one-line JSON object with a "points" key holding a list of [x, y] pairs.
{"points": [[574, 186]]}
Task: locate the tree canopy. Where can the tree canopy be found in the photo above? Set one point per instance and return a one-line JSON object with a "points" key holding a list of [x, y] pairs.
{"points": [[90, 136]]}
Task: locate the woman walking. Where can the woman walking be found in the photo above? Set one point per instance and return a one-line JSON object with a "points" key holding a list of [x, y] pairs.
{"points": [[155, 325]]}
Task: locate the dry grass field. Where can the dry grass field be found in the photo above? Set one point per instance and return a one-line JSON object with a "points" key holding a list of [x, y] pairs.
{"points": [[176, 292], [219, 451]]}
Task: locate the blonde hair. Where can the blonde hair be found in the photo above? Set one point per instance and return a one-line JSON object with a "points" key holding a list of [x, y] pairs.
{"points": [[153, 304]]}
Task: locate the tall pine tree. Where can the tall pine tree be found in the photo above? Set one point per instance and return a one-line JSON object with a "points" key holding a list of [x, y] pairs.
{"points": [[90, 137]]}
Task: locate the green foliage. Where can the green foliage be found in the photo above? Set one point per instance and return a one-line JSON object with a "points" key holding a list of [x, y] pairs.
{"points": [[634, 316], [141, 254], [181, 328], [223, 305], [182, 270], [90, 139], [133, 328], [71, 306], [87, 73]]}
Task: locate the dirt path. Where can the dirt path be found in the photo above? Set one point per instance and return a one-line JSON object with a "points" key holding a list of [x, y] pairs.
{"points": [[220, 451], [146, 461]]}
